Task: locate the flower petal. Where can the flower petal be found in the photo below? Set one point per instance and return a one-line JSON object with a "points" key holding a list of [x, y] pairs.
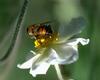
{"points": [[64, 54], [40, 66], [39, 69], [44, 56], [28, 64], [74, 42], [74, 27]]}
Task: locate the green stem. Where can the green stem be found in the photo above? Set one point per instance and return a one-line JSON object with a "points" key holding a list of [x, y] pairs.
{"points": [[60, 77], [61, 72], [17, 29]]}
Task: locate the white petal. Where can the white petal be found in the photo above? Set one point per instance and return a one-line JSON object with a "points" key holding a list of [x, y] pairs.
{"points": [[44, 56], [78, 40], [64, 54], [40, 66], [40, 69], [33, 52], [53, 57], [74, 27], [28, 64]]}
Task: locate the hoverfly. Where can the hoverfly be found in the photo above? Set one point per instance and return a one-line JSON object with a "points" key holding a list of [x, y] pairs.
{"points": [[42, 33], [39, 30]]}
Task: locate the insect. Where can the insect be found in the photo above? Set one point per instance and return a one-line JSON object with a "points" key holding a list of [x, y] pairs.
{"points": [[42, 33], [39, 30]]}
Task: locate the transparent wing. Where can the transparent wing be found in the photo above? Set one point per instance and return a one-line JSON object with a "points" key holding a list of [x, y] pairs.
{"points": [[75, 26]]}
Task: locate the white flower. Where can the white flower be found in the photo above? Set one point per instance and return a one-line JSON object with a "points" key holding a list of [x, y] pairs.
{"points": [[62, 50]]}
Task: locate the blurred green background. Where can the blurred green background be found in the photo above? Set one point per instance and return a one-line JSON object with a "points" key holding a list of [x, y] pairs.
{"points": [[88, 65]]}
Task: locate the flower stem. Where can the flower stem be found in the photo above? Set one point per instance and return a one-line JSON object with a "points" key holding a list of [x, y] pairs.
{"points": [[59, 74], [15, 34]]}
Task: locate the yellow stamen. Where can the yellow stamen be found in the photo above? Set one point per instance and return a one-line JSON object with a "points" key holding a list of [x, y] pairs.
{"points": [[46, 40], [42, 40], [37, 44], [56, 39]]}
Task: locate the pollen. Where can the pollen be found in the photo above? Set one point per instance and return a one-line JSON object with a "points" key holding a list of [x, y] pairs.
{"points": [[42, 40], [56, 39], [37, 44]]}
